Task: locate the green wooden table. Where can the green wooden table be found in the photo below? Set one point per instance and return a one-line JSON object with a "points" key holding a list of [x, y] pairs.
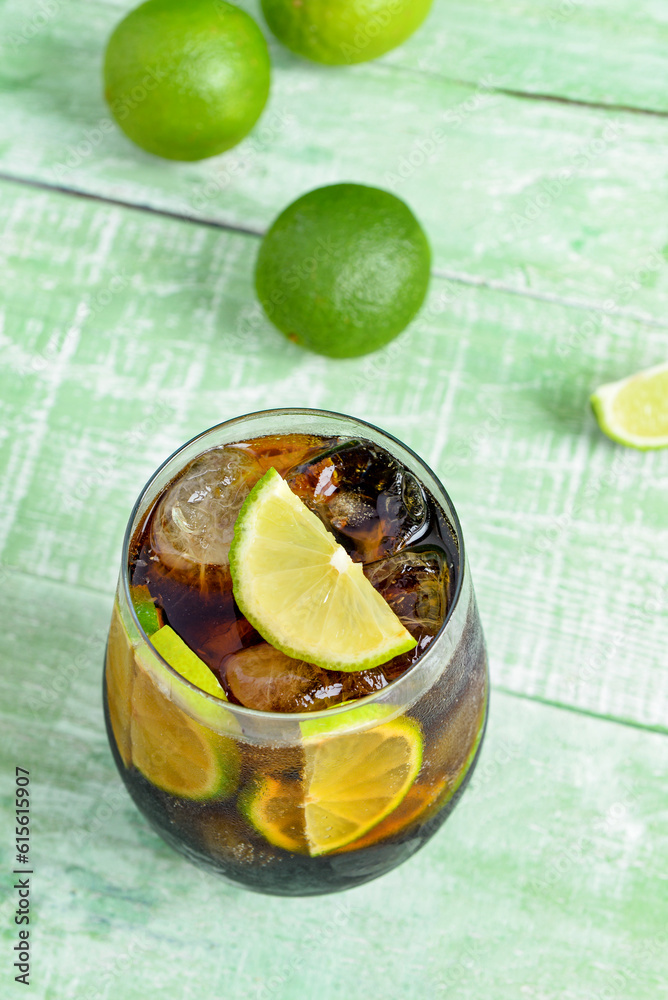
{"points": [[530, 137]]}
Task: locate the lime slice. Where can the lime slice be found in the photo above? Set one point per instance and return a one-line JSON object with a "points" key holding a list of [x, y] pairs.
{"points": [[119, 675], [634, 411], [174, 752], [355, 718], [150, 618], [275, 808], [417, 806], [300, 589], [173, 649], [351, 783], [355, 781]]}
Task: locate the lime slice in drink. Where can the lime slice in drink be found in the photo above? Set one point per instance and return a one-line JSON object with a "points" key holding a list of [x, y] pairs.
{"points": [[150, 617], [300, 589], [275, 808], [634, 411], [361, 717], [120, 672], [351, 783], [176, 753], [173, 649]]}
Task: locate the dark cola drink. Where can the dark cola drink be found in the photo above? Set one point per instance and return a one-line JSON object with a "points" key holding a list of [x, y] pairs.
{"points": [[278, 774]]}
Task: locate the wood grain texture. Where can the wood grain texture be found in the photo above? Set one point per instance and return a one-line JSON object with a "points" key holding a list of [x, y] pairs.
{"points": [[602, 51], [547, 881], [126, 333], [596, 51], [550, 199]]}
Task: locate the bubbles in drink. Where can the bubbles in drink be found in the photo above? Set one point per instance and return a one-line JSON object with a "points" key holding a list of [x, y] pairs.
{"points": [[193, 524], [373, 505]]}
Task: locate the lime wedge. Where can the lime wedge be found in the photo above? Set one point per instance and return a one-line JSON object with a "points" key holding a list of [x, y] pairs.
{"points": [[176, 753], [300, 589], [634, 411], [173, 649], [351, 783], [150, 618]]}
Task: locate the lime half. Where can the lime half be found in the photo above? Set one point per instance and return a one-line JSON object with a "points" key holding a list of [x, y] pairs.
{"points": [[300, 589], [634, 411]]}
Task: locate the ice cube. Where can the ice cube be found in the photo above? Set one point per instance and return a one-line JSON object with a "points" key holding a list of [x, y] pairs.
{"points": [[415, 585], [263, 678], [373, 505], [194, 521]]}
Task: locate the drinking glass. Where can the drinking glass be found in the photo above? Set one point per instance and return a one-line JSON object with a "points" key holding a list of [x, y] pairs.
{"points": [[228, 786]]}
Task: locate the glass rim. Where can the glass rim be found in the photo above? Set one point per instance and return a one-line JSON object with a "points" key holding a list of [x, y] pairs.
{"points": [[297, 717]]}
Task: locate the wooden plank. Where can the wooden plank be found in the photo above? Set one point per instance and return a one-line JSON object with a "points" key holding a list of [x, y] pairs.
{"points": [[125, 333], [583, 50], [546, 881], [543, 197]]}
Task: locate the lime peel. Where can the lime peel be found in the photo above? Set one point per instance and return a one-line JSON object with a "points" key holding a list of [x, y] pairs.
{"points": [[149, 616], [180, 656], [634, 410], [301, 590]]}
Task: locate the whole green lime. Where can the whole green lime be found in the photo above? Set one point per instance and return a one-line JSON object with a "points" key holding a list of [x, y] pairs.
{"points": [[344, 31], [343, 269], [186, 80]]}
